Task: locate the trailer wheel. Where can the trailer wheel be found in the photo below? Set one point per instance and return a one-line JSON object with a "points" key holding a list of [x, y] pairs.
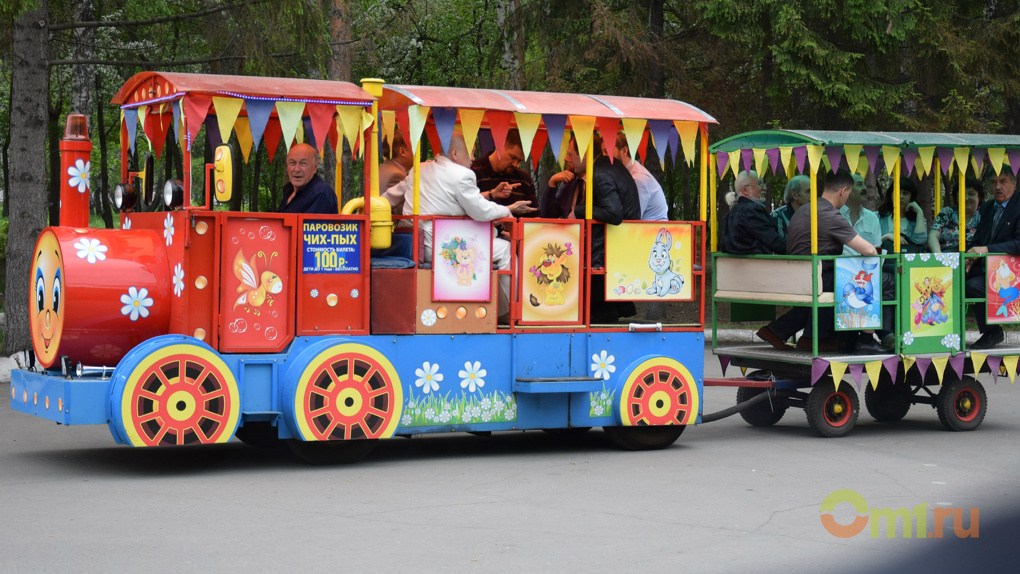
{"points": [[888, 403], [830, 412], [763, 414], [961, 404], [176, 394], [644, 437], [330, 452]]}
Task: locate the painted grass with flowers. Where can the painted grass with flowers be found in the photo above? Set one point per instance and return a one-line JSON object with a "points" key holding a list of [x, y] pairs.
{"points": [[468, 408], [601, 402]]}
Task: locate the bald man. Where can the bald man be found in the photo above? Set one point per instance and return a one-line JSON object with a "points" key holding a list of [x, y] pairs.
{"points": [[306, 192]]}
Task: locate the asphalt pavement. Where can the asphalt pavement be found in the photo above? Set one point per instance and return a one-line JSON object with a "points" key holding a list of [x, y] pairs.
{"points": [[726, 497]]}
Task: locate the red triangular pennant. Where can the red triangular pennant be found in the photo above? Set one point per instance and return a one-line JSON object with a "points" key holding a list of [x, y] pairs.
{"points": [[320, 115], [499, 125], [433, 134], [155, 126], [538, 146], [643, 147], [608, 127], [272, 137], [404, 125], [195, 109]]}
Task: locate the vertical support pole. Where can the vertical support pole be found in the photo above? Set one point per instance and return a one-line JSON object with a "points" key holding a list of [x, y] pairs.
{"points": [[416, 181], [713, 201], [896, 205], [589, 168], [937, 192], [814, 210], [961, 211], [705, 173]]}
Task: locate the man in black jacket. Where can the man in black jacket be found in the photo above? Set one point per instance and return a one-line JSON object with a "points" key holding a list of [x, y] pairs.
{"points": [[748, 228], [998, 232]]}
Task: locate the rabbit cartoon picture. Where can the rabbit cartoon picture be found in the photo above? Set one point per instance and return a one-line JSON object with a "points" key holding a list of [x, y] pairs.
{"points": [[666, 282]]}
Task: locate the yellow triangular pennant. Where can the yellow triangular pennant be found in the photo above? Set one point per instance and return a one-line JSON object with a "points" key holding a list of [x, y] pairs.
{"points": [[416, 118], [785, 159], [995, 155], [838, 369], [389, 122], [743, 370], [1009, 362], [874, 369], [366, 122], [961, 154], [919, 167], [688, 135], [825, 163], [527, 126], [949, 172], [290, 117], [734, 164], [760, 162], [853, 156], [582, 127], [470, 120], [978, 360], [925, 154], [907, 363], [227, 110], [349, 123], [891, 154], [974, 165], [814, 154], [633, 128], [940, 366], [299, 134], [244, 139]]}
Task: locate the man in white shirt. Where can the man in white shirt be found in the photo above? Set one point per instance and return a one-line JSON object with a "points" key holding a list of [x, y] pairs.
{"points": [[650, 195], [448, 187], [864, 220]]}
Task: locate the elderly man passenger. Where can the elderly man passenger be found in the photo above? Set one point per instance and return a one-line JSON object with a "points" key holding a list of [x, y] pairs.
{"points": [[797, 194], [747, 229]]}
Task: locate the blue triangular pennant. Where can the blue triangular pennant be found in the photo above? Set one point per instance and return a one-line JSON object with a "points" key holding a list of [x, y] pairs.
{"points": [[258, 116], [660, 133], [175, 106], [554, 126], [445, 119], [131, 121]]}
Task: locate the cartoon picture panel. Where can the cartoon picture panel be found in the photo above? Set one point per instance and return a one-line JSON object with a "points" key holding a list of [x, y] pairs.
{"points": [[462, 259], [551, 291], [858, 293], [649, 261], [1003, 289], [930, 313]]}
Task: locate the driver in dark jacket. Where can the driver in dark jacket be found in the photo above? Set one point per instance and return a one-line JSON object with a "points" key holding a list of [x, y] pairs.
{"points": [[748, 228]]}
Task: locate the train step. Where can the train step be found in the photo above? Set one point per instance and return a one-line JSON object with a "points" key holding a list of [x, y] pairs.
{"points": [[559, 385]]}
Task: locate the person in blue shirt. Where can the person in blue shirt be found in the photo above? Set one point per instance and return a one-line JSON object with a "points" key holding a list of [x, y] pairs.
{"points": [[306, 192], [913, 227]]}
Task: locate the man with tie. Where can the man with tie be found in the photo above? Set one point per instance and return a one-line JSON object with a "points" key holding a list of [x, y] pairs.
{"points": [[998, 232]]}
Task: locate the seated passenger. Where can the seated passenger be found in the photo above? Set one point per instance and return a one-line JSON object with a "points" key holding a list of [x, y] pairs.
{"points": [[834, 232], [494, 169], [306, 192], [650, 194], [394, 170], [448, 188], [747, 229], [797, 194], [864, 220], [913, 227], [945, 230]]}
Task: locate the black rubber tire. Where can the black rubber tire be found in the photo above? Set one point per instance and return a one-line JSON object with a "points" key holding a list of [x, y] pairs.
{"points": [[832, 413], [644, 437], [260, 434], [888, 403], [764, 414], [567, 433], [330, 452], [962, 404]]}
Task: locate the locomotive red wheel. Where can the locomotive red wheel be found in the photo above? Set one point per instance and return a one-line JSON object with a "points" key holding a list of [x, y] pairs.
{"points": [[349, 391], [181, 394], [659, 391]]}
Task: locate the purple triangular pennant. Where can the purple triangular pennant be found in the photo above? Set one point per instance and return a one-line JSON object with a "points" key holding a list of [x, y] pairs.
{"points": [[835, 154], [1014, 160], [258, 116], [555, 124], [993, 366], [773, 155], [747, 158], [922, 366], [856, 369], [722, 160], [957, 364], [212, 131], [892, 366], [979, 157], [818, 368], [131, 121], [674, 143], [909, 159], [660, 131], [445, 119], [800, 153], [945, 158], [724, 362], [871, 153]]}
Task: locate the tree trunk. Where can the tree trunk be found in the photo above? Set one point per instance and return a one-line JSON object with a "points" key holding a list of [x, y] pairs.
{"points": [[339, 68], [656, 75], [102, 199], [83, 48], [509, 23], [27, 196], [53, 133]]}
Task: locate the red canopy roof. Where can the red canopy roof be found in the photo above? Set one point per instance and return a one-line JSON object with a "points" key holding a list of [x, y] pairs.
{"points": [[149, 87]]}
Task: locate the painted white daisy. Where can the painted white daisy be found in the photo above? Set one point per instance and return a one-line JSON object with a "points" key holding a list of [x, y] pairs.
{"points": [[136, 303], [908, 338], [472, 376], [126, 224], [314, 293], [602, 365], [178, 279], [354, 293], [78, 175], [428, 317], [406, 420], [168, 230], [90, 250], [428, 377]]}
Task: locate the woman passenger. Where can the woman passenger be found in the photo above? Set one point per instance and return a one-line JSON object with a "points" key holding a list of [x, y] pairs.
{"points": [[945, 230], [913, 227]]}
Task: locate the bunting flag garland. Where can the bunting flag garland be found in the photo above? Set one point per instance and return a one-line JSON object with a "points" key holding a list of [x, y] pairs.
{"points": [[874, 372], [416, 118], [290, 116], [195, 109], [956, 362], [722, 161], [335, 139], [155, 130], [995, 156], [608, 128], [773, 156], [871, 155], [890, 154], [212, 132], [961, 155], [815, 156], [243, 133], [1014, 161], [555, 126], [258, 116], [433, 137], [320, 116], [403, 124], [892, 366], [977, 360], [735, 162], [643, 146], [227, 110], [634, 129], [835, 157], [389, 119], [527, 127], [838, 369], [564, 144], [800, 153], [940, 366], [582, 126], [349, 122], [922, 365], [272, 135], [994, 362], [945, 155], [926, 154], [445, 120], [367, 120], [759, 162], [143, 113], [743, 370], [853, 156], [747, 159], [537, 146], [1010, 362], [978, 160], [910, 156], [856, 370], [818, 368], [688, 132], [660, 137], [919, 167], [130, 121], [724, 362], [499, 125], [674, 143], [826, 164], [785, 157]]}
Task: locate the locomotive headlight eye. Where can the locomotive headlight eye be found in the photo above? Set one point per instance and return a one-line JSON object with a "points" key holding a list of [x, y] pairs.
{"points": [[124, 196], [173, 193]]}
